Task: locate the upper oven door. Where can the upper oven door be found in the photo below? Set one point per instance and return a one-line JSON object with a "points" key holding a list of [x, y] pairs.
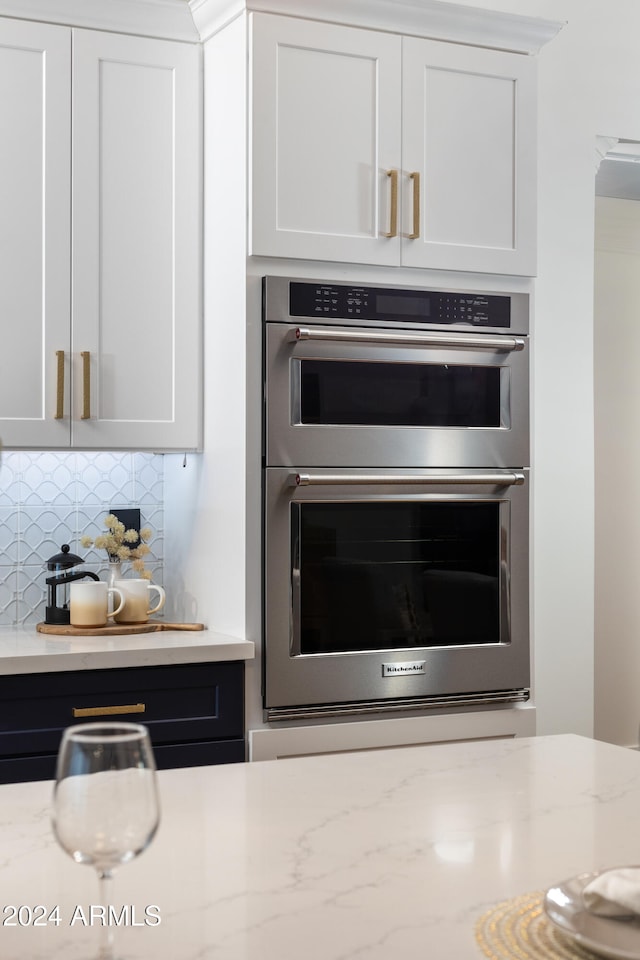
{"points": [[369, 397]]}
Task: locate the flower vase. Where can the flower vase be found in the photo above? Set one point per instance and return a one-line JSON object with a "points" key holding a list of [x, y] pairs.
{"points": [[115, 573]]}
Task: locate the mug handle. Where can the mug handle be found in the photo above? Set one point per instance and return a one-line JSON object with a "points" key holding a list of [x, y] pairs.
{"points": [[162, 598], [110, 593]]}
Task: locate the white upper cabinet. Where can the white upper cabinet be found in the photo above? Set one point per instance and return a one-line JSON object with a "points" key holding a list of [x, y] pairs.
{"points": [[135, 237], [35, 133], [469, 131], [100, 179], [369, 147], [326, 129]]}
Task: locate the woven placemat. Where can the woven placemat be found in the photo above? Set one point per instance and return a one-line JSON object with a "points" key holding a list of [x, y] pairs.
{"points": [[518, 929]]}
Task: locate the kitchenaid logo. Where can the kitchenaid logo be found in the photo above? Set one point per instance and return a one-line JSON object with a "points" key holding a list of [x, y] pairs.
{"points": [[394, 669]]}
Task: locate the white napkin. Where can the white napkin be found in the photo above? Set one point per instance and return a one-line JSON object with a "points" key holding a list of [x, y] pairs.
{"points": [[614, 893]]}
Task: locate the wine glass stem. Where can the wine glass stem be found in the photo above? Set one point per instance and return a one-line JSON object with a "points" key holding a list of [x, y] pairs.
{"points": [[105, 879]]}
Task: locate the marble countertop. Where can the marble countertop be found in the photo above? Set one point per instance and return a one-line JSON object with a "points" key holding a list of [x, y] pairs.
{"points": [[357, 856], [24, 650]]}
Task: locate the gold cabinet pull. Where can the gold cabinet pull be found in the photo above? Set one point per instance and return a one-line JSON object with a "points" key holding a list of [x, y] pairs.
{"points": [[416, 205], [59, 385], [86, 385], [109, 711], [393, 216]]}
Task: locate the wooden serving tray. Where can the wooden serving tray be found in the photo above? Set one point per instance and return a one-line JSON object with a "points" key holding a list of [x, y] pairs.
{"points": [[112, 630]]}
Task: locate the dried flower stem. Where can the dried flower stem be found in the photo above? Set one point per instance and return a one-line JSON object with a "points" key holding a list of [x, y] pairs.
{"points": [[118, 542]]}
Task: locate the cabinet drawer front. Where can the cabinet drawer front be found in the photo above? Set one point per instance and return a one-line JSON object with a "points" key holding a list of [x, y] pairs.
{"points": [[177, 703], [168, 756]]}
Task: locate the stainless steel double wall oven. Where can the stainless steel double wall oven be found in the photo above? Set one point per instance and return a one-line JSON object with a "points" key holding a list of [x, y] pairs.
{"points": [[396, 490]]}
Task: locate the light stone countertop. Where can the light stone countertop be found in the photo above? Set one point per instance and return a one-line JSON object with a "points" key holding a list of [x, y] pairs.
{"points": [[375, 855], [24, 650]]}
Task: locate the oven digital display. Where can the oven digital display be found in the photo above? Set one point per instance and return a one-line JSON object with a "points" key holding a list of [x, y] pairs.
{"points": [[419, 307], [336, 301]]}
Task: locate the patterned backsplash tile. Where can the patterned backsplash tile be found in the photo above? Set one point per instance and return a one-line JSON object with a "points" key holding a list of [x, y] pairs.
{"points": [[47, 499]]}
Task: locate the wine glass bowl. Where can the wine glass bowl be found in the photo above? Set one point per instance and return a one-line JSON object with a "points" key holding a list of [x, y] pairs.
{"points": [[105, 809], [105, 801]]}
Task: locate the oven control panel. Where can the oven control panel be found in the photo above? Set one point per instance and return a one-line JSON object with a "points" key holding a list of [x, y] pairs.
{"points": [[397, 305]]}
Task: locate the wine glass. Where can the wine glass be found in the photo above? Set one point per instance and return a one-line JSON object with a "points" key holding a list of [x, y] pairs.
{"points": [[105, 801]]}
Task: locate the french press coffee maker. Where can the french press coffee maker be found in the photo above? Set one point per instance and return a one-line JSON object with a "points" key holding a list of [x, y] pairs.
{"points": [[57, 610]]}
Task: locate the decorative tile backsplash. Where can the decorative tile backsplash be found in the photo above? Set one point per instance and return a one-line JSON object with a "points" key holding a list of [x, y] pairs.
{"points": [[47, 499]]}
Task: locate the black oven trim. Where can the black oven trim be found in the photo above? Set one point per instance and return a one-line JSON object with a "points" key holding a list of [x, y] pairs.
{"points": [[288, 299], [396, 305]]}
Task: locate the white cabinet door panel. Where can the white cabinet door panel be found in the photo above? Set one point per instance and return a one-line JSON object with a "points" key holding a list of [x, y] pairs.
{"points": [[34, 232], [469, 131], [136, 189], [466, 215], [325, 116]]}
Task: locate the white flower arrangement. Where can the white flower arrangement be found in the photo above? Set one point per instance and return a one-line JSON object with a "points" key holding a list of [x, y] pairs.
{"points": [[118, 542]]}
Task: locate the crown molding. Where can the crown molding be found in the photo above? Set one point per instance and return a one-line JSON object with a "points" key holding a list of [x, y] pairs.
{"points": [[211, 16], [196, 20], [426, 18], [603, 146], [166, 19]]}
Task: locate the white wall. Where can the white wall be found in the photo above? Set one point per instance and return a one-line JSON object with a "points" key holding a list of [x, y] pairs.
{"points": [[617, 430], [589, 86]]}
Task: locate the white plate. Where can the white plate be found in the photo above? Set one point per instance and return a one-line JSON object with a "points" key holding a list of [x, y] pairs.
{"points": [[615, 939]]}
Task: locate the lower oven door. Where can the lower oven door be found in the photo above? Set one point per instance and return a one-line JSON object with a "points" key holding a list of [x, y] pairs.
{"points": [[393, 589]]}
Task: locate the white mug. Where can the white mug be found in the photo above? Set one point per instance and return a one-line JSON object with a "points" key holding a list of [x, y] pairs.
{"points": [[137, 605], [89, 602]]}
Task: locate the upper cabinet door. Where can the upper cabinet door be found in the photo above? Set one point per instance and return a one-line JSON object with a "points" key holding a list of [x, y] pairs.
{"points": [[35, 133], [136, 243], [326, 123], [469, 127]]}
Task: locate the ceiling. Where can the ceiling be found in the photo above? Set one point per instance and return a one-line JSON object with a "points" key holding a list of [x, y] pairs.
{"points": [[619, 172]]}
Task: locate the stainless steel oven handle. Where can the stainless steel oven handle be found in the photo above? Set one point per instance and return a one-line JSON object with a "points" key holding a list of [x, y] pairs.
{"points": [[479, 341], [501, 479]]}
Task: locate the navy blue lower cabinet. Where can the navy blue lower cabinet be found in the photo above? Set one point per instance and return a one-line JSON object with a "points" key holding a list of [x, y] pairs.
{"points": [[194, 713]]}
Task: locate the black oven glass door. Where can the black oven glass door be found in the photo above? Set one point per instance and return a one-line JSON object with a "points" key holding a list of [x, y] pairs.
{"points": [[402, 394], [389, 575]]}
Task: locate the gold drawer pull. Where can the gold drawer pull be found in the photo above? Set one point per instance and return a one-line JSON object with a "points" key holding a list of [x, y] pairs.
{"points": [[393, 216], [416, 205], [59, 385], [109, 711], [86, 385]]}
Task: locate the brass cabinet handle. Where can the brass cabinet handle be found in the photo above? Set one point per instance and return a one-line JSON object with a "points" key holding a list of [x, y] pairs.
{"points": [[86, 385], [109, 711], [393, 217], [416, 205], [59, 385]]}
